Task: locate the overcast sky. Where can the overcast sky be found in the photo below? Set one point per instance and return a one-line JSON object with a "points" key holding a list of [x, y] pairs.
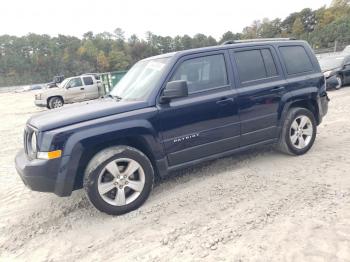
{"points": [[163, 17]]}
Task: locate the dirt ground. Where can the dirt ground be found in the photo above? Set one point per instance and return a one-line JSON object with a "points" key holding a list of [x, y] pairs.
{"points": [[256, 206]]}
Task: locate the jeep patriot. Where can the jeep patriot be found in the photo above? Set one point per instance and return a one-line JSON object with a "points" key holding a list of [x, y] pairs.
{"points": [[173, 111]]}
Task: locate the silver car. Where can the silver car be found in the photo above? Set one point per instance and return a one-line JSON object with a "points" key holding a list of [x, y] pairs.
{"points": [[71, 90]]}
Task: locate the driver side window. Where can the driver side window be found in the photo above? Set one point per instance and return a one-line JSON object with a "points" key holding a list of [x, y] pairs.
{"points": [[202, 73], [75, 82]]}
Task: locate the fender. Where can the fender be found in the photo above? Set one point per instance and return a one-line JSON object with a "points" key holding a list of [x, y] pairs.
{"points": [[90, 135], [304, 94]]}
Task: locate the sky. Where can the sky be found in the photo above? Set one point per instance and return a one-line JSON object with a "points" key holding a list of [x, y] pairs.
{"points": [[162, 17]]}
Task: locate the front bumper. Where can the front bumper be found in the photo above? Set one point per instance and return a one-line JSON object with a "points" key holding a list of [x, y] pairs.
{"points": [[37, 174], [41, 103]]}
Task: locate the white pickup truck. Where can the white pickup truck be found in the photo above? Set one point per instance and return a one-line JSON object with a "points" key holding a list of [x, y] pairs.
{"points": [[71, 90]]}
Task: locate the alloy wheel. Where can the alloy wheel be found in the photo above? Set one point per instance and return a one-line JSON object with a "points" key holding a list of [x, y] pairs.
{"points": [[121, 181], [301, 132], [340, 82]]}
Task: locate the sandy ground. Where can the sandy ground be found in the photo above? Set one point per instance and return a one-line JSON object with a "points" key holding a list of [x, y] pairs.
{"points": [[256, 206]]}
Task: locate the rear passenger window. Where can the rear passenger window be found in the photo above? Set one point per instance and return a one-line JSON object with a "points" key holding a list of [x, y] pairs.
{"points": [[255, 64], [202, 73], [296, 59], [269, 63], [88, 80]]}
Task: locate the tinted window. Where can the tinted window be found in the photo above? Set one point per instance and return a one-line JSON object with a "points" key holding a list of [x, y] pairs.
{"points": [[296, 59], [202, 73], [88, 80], [255, 64], [250, 65], [269, 63], [75, 82]]}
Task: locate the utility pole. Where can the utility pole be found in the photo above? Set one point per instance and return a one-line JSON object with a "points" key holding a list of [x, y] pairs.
{"points": [[335, 45]]}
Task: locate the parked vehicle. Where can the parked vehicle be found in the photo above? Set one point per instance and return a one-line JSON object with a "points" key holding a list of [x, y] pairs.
{"points": [[336, 70], [56, 80], [347, 50], [173, 111], [96, 75], [73, 89], [31, 88]]}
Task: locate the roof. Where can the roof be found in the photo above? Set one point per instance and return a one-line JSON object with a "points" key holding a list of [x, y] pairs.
{"points": [[243, 43]]}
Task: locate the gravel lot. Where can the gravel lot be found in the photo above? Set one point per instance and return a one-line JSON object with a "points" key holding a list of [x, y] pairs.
{"points": [[255, 206]]}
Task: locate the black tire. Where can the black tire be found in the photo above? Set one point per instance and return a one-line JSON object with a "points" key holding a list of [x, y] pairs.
{"points": [[285, 144], [340, 82], [97, 165], [55, 102]]}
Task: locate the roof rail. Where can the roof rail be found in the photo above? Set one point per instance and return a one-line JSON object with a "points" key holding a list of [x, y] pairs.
{"points": [[229, 42]]}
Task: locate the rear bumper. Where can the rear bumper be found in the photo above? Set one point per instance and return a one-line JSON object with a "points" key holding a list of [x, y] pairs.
{"points": [[323, 106]]}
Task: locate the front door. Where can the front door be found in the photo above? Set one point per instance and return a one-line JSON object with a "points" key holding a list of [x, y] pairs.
{"points": [[260, 87], [75, 91], [206, 122]]}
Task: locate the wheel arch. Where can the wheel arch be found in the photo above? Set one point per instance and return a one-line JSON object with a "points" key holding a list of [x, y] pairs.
{"points": [[138, 142], [306, 98], [82, 146], [49, 97]]}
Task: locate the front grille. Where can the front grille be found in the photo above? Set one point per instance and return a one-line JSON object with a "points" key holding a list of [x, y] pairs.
{"points": [[28, 132], [25, 140]]}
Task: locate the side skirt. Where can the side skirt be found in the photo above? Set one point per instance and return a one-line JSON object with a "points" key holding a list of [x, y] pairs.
{"points": [[165, 170]]}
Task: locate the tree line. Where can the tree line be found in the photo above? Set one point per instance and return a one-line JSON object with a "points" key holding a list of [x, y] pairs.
{"points": [[37, 58]]}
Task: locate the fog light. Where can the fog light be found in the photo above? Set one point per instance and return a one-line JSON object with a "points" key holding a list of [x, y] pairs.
{"points": [[49, 155]]}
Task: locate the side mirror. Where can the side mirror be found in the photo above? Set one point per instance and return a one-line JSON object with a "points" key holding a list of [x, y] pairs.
{"points": [[174, 89], [68, 86]]}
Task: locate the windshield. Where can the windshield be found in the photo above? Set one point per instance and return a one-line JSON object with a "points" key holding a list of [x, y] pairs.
{"points": [[330, 63], [64, 82], [140, 80]]}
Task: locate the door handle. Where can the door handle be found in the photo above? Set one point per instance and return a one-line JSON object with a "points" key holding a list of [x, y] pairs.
{"points": [[225, 100], [82, 88], [278, 89]]}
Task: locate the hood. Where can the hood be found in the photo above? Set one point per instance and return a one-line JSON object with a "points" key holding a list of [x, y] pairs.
{"points": [[49, 90], [76, 113]]}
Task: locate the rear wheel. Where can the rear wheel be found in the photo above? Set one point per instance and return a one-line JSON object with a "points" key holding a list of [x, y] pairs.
{"points": [[55, 102], [298, 132], [118, 179]]}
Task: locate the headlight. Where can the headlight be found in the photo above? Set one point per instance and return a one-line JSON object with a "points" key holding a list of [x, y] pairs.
{"points": [[33, 143], [327, 73], [38, 96]]}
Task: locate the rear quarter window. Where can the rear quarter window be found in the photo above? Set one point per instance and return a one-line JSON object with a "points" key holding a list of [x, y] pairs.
{"points": [[296, 59]]}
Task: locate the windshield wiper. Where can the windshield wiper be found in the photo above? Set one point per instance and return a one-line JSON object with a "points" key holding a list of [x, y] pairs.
{"points": [[118, 98]]}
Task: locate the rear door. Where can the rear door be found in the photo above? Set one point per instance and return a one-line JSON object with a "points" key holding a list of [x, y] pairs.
{"points": [[91, 88], [260, 85], [206, 122]]}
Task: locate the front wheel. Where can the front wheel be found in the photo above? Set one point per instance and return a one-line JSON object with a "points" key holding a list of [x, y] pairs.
{"points": [[298, 132], [55, 102], [118, 179], [339, 82]]}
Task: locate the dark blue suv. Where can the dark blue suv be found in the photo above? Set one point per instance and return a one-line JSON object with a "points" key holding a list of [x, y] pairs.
{"points": [[173, 111]]}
